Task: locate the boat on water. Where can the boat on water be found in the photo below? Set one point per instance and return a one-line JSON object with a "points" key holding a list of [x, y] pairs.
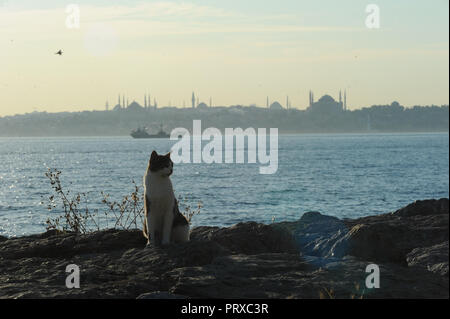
{"points": [[142, 133]]}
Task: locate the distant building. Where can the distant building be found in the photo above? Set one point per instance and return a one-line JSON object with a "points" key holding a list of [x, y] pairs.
{"points": [[135, 106], [311, 98], [325, 104], [117, 106], [202, 106], [345, 100], [121, 105], [276, 106]]}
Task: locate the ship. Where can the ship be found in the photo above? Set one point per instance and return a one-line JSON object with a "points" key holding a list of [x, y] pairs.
{"points": [[142, 133]]}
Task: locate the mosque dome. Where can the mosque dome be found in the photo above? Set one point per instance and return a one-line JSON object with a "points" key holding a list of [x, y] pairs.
{"points": [[326, 99], [202, 106], [135, 106], [276, 106]]}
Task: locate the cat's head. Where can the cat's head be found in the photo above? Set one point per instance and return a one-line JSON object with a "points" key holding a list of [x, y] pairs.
{"points": [[160, 164]]}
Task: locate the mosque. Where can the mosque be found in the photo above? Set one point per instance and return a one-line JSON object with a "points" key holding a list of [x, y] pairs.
{"points": [[133, 106], [200, 105], [327, 104]]}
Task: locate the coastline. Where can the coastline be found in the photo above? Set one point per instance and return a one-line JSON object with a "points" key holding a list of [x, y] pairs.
{"points": [[282, 133], [308, 258]]}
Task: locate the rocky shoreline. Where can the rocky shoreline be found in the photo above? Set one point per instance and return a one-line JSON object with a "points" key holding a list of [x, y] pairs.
{"points": [[317, 256]]}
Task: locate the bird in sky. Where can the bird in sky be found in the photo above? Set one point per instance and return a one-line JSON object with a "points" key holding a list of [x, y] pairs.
{"points": [[59, 52]]}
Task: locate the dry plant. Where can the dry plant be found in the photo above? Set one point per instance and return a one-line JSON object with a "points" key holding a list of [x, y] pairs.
{"points": [[327, 294], [125, 214], [187, 210], [75, 218]]}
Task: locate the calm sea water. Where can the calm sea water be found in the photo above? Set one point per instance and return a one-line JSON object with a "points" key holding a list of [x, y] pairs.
{"points": [[340, 175]]}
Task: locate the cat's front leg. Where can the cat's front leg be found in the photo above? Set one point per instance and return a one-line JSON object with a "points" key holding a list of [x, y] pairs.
{"points": [[167, 228], [152, 240]]}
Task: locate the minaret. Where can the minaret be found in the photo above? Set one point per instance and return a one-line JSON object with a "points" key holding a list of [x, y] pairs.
{"points": [[119, 100], [340, 96], [210, 102], [345, 100], [145, 101], [127, 102], [193, 100], [107, 106], [311, 98], [267, 102], [156, 105], [123, 101]]}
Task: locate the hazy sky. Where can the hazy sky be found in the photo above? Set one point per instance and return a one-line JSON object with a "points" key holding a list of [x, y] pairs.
{"points": [[235, 51]]}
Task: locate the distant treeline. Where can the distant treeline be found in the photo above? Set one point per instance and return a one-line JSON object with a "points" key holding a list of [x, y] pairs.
{"points": [[378, 118]]}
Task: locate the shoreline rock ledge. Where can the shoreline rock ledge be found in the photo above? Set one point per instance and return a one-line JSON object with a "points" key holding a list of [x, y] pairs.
{"points": [[317, 256]]}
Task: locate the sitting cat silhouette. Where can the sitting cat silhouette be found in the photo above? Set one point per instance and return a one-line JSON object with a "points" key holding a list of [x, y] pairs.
{"points": [[163, 223]]}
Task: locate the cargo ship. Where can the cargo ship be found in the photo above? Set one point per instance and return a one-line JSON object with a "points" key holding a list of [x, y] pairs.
{"points": [[142, 133]]}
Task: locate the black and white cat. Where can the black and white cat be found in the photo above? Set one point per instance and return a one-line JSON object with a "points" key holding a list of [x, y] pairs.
{"points": [[163, 223]]}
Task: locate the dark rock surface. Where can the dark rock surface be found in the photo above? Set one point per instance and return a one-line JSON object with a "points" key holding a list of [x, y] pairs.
{"points": [[434, 258], [316, 256]]}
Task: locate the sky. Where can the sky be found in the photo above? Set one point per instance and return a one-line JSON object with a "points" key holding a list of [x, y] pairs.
{"points": [[233, 51]]}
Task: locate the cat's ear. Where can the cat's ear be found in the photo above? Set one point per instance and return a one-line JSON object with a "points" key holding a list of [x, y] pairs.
{"points": [[153, 156], [168, 154]]}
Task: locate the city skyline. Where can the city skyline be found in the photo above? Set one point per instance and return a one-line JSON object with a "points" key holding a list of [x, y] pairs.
{"points": [[150, 102], [230, 52]]}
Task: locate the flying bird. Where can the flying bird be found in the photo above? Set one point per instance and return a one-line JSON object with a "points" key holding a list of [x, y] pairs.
{"points": [[59, 52]]}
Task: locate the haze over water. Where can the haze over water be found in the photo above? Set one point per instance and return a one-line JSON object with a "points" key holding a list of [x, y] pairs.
{"points": [[341, 175]]}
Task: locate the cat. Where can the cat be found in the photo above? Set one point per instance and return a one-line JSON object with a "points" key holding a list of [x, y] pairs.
{"points": [[163, 222]]}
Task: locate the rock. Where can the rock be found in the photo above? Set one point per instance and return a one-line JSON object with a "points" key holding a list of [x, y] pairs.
{"points": [[434, 258], [248, 238], [238, 276], [317, 256], [371, 241], [314, 232], [424, 208], [70, 244], [383, 238], [288, 276]]}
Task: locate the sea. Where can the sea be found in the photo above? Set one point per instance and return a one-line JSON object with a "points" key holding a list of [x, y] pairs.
{"points": [[343, 175]]}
